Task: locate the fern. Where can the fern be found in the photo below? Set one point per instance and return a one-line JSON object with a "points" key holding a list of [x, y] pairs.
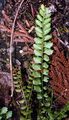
{"points": [[24, 100], [40, 67], [59, 115], [39, 74]]}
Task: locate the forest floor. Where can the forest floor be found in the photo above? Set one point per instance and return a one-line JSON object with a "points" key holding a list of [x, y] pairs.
{"points": [[22, 32]]}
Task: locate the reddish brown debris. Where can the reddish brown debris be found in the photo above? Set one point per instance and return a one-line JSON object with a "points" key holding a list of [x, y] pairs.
{"points": [[32, 10], [20, 32], [59, 73]]}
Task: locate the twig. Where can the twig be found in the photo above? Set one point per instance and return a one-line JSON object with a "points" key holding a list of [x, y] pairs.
{"points": [[21, 28], [11, 44]]}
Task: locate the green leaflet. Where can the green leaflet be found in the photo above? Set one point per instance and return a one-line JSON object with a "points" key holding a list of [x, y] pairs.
{"points": [[45, 72], [37, 29], [47, 20], [15, 83], [42, 8], [36, 74], [46, 58], [4, 110], [45, 65], [38, 53], [46, 31], [47, 11], [21, 101], [46, 95], [38, 23], [25, 113], [38, 41], [17, 86], [37, 88], [48, 51], [39, 34], [23, 108], [47, 104], [48, 16], [9, 114], [39, 96], [48, 44], [47, 37], [48, 26], [37, 59], [36, 67], [37, 47], [41, 12], [18, 90], [46, 79], [44, 88], [36, 82], [39, 17]]}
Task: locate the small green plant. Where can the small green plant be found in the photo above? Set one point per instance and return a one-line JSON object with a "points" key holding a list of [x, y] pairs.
{"points": [[5, 114], [24, 100], [40, 67], [62, 113], [39, 74]]}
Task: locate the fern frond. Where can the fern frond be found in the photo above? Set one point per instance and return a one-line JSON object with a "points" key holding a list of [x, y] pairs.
{"points": [[23, 101], [42, 51], [62, 113]]}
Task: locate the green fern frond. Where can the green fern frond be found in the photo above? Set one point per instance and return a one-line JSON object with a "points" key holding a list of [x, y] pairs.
{"points": [[23, 102], [42, 51], [62, 113]]}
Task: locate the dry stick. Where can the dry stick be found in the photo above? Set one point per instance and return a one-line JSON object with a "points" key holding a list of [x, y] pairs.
{"points": [[11, 45]]}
